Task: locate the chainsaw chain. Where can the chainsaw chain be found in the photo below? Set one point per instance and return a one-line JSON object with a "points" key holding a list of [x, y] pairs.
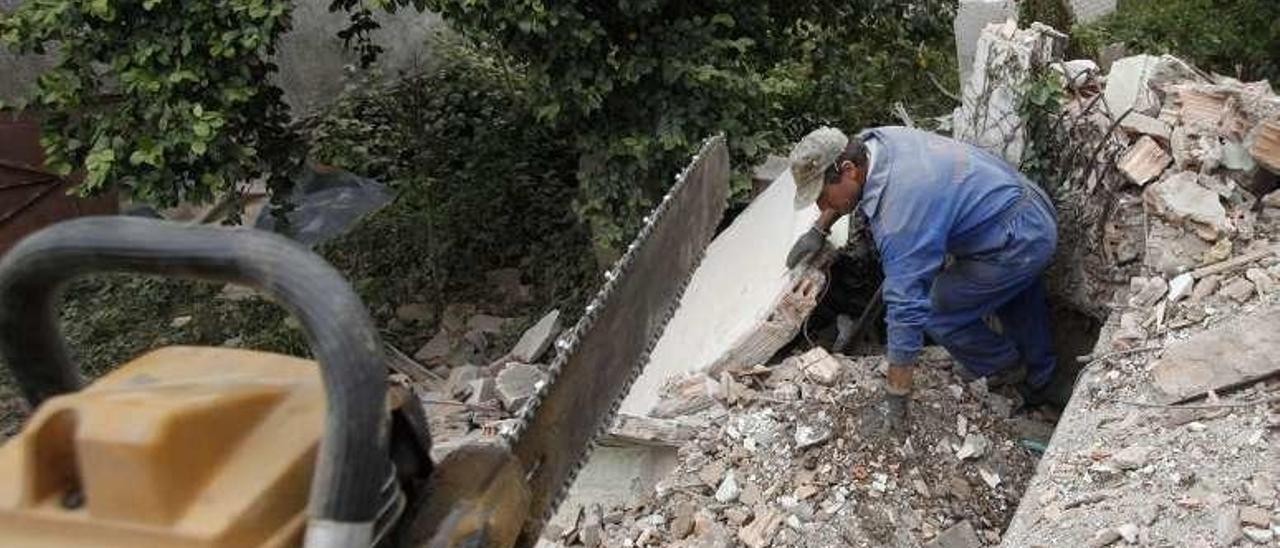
{"points": [[568, 343]]}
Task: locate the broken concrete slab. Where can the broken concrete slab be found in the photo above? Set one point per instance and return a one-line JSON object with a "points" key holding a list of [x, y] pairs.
{"points": [[535, 340], [1127, 86], [482, 391], [1144, 161], [745, 265], [1228, 355], [1141, 124], [989, 114], [1181, 198], [516, 383]]}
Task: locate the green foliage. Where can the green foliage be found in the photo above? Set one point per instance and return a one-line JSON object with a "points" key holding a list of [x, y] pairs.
{"points": [[1042, 99], [640, 83], [169, 99], [1235, 37], [481, 185]]}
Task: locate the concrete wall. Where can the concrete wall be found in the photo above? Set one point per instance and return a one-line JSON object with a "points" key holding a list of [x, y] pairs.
{"points": [[311, 57]]}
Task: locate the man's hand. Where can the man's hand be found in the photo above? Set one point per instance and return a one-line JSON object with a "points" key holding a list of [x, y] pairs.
{"points": [[808, 243], [889, 415]]}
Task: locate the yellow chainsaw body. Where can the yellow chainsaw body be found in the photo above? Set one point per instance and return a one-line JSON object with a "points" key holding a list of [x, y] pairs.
{"points": [[187, 447]]}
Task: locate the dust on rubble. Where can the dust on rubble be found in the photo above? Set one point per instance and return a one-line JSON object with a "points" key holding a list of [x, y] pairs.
{"points": [[781, 460]]}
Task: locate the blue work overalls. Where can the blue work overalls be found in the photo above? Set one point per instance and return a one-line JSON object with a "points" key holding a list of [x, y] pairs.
{"points": [[928, 199]]}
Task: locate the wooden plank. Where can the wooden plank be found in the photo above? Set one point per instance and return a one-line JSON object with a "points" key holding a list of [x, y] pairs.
{"points": [[1232, 354]]}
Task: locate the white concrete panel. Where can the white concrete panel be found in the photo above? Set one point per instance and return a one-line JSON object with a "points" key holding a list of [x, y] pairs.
{"points": [[971, 18], [733, 290]]}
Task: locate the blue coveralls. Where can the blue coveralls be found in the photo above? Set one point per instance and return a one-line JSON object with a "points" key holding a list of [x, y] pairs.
{"points": [[928, 198]]}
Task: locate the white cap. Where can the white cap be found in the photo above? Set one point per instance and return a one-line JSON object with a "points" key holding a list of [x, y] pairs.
{"points": [[810, 158]]}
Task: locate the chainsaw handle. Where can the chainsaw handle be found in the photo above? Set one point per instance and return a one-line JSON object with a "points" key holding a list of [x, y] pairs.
{"points": [[352, 462]]}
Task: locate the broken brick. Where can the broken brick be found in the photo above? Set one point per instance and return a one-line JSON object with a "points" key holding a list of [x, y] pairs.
{"points": [[1266, 145], [1144, 161]]}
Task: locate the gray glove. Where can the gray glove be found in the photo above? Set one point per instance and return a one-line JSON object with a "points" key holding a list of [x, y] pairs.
{"points": [[808, 243]]}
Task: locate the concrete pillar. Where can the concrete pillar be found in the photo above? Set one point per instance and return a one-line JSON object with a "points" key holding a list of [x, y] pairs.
{"points": [[1088, 11], [972, 17]]}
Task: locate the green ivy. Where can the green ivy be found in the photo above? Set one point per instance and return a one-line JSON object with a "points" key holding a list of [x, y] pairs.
{"points": [[169, 100], [639, 83], [1235, 37]]}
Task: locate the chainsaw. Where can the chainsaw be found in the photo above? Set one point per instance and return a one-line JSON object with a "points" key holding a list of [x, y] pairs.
{"points": [[221, 447]]}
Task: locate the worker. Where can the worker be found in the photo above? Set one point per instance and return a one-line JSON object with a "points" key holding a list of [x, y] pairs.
{"points": [[962, 236]]}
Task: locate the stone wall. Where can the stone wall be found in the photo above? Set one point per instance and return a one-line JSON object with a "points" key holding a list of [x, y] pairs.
{"points": [[311, 57]]}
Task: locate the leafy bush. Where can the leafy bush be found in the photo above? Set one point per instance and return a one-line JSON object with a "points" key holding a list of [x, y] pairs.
{"points": [[1234, 37], [481, 184], [638, 84], [169, 99]]}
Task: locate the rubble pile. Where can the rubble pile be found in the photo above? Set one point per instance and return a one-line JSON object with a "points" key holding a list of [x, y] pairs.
{"points": [[1171, 436], [469, 398], [1198, 157], [781, 457]]}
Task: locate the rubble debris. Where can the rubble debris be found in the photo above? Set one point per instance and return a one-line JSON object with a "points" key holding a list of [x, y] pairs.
{"points": [[535, 340], [631, 430], [1132, 457], [1255, 516], [482, 391], [808, 436], [1127, 86], [1266, 145], [820, 366], [1262, 282], [1195, 365], [960, 535], [974, 447], [516, 383], [759, 533], [1227, 525], [1141, 124], [1181, 286], [1259, 535], [1237, 289], [728, 490], [1181, 198], [1144, 161]]}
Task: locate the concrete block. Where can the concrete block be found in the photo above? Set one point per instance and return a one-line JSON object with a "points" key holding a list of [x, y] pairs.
{"points": [[973, 16], [1194, 366], [535, 340]]}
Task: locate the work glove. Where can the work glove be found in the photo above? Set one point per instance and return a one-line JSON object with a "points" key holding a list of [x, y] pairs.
{"points": [[889, 415], [808, 243]]}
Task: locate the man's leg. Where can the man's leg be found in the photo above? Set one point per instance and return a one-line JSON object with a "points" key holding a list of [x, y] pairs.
{"points": [[1026, 321], [962, 295]]}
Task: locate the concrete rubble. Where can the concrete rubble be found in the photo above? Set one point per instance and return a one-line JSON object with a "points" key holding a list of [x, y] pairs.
{"points": [[765, 471], [1133, 461]]}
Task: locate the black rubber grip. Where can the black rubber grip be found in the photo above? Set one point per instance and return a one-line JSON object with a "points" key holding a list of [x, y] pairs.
{"points": [[353, 460]]}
